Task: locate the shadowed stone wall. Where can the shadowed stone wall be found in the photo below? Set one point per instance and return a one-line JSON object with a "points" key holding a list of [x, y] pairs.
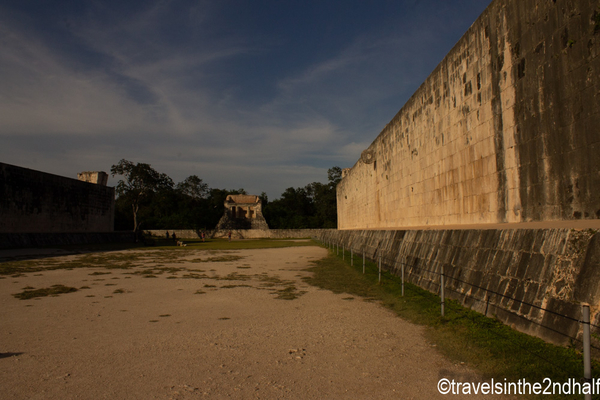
{"points": [[33, 202], [505, 129], [240, 233], [35, 240], [514, 274]]}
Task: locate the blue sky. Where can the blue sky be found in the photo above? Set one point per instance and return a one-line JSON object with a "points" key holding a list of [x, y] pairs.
{"points": [[261, 95]]}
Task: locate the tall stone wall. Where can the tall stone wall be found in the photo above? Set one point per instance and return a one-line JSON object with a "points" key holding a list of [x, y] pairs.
{"points": [[505, 129], [36, 202]]}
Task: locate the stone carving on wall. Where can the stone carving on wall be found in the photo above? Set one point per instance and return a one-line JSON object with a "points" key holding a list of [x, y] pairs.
{"points": [[368, 156]]}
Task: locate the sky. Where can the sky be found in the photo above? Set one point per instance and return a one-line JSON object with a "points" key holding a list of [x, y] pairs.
{"points": [[260, 95]]}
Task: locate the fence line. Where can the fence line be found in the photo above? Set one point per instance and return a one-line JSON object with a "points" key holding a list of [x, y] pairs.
{"points": [[394, 263], [488, 291]]}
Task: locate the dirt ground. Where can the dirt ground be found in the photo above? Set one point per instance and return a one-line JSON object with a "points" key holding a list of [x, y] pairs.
{"points": [[230, 324]]}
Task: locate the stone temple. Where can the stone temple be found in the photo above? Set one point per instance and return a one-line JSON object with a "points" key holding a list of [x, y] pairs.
{"points": [[242, 212]]}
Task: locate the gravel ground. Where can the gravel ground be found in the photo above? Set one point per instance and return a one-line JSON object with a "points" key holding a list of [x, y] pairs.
{"points": [[242, 326]]}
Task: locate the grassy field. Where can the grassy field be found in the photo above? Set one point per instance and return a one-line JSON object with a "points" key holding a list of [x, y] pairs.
{"points": [[465, 336]]}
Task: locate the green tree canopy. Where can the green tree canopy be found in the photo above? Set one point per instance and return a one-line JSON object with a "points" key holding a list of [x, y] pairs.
{"points": [[140, 182]]}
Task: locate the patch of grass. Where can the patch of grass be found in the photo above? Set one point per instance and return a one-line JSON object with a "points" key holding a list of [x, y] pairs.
{"points": [[234, 276], [463, 335], [199, 292], [224, 258], [53, 290], [288, 293], [195, 276], [233, 286], [270, 281], [104, 260], [118, 291], [171, 270], [99, 273]]}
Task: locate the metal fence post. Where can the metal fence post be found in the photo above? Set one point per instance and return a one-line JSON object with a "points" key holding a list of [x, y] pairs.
{"points": [[380, 268], [442, 290], [364, 255], [337, 247], [343, 252], [402, 279], [587, 359], [351, 257]]}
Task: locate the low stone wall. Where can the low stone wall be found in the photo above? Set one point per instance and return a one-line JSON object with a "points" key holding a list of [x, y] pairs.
{"points": [[239, 233], [30, 240], [531, 279]]}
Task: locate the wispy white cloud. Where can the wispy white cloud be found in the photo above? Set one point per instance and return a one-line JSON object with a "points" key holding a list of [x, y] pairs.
{"points": [[133, 88]]}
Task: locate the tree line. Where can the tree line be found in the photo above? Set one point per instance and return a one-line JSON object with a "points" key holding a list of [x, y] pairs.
{"points": [[148, 199]]}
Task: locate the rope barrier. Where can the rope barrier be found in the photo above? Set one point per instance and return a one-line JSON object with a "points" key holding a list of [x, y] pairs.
{"points": [[388, 275]]}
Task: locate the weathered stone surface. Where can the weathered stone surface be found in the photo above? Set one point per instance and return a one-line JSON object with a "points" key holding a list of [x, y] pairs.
{"points": [[33, 202], [505, 129], [534, 280], [97, 177], [242, 212]]}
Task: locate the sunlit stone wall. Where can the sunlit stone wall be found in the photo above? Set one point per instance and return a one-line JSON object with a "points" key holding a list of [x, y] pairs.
{"points": [[505, 129]]}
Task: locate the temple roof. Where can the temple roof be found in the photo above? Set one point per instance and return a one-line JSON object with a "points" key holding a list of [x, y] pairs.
{"points": [[242, 199]]}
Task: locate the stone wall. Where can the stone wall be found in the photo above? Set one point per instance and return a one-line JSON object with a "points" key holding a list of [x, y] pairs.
{"points": [[241, 233], [505, 129], [532, 279], [34, 240], [33, 202]]}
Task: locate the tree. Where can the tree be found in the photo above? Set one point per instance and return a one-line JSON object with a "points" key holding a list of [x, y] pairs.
{"points": [[313, 206], [193, 187], [141, 182], [334, 174]]}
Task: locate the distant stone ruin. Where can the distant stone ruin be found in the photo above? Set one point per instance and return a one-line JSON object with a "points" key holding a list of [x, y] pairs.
{"points": [[242, 212], [97, 177]]}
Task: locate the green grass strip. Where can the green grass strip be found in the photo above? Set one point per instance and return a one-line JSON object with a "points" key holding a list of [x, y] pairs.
{"points": [[463, 335]]}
